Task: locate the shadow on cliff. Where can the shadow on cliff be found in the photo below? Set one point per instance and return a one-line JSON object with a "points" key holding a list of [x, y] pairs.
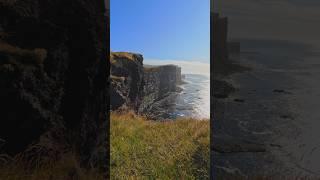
{"points": [[53, 77]]}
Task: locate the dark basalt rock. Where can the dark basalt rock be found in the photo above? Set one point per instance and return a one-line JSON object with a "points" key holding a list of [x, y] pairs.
{"points": [[53, 77], [222, 89], [144, 89], [161, 85], [126, 80]]}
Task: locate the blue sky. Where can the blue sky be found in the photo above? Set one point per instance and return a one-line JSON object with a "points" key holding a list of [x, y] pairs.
{"points": [[162, 30]]}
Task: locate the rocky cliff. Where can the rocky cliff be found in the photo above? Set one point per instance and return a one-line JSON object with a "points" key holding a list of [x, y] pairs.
{"points": [[53, 78], [160, 87], [126, 80], [138, 87], [219, 31]]}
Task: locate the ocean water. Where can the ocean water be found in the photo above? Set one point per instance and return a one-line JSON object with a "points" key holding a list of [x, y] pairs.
{"points": [[194, 100], [289, 120]]}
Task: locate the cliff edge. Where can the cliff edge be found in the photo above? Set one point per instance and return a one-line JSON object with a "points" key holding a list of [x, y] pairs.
{"points": [[126, 73], [141, 88]]}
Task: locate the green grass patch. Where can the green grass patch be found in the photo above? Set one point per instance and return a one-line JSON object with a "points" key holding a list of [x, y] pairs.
{"points": [[143, 149]]}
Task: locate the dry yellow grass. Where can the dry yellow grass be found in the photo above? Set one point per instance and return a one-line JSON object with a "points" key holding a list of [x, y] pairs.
{"points": [[123, 55], [117, 78], [64, 169], [142, 149]]}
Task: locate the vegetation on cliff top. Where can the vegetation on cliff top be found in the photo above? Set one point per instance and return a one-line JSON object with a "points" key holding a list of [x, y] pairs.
{"points": [[124, 55], [158, 150]]}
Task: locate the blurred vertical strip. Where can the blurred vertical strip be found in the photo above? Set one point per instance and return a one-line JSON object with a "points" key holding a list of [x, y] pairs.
{"points": [[107, 5], [211, 86], [218, 52]]}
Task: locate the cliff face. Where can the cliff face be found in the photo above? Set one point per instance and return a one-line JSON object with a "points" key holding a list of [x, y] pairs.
{"points": [[219, 31], [140, 88], [160, 83], [126, 80], [53, 77]]}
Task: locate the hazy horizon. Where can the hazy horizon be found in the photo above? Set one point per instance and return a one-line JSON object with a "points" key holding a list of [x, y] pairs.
{"points": [[187, 67]]}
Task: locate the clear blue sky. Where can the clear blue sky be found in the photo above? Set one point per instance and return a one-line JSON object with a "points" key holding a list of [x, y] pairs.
{"points": [[162, 29]]}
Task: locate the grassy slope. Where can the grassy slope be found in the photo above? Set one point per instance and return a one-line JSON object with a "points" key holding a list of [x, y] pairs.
{"points": [[142, 149], [67, 167]]}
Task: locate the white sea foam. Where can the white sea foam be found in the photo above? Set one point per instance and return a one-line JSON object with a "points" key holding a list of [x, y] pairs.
{"points": [[195, 97]]}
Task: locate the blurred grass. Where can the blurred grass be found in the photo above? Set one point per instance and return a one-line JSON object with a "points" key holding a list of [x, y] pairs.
{"points": [[67, 168], [142, 149]]}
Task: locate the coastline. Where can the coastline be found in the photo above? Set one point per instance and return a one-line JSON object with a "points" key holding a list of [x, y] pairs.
{"points": [[267, 110], [157, 91], [148, 138]]}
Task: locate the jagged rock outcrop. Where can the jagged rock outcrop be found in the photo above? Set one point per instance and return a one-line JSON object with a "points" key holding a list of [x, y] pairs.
{"points": [[53, 78], [126, 80], [140, 88]]}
